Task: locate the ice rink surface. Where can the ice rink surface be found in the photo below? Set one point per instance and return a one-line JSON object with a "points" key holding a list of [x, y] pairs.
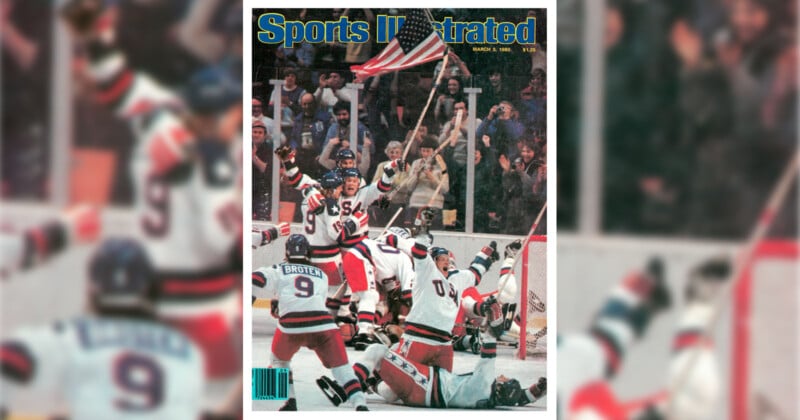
{"points": [[307, 368]]}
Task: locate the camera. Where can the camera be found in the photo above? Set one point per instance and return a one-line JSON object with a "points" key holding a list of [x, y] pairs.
{"points": [[501, 109]]}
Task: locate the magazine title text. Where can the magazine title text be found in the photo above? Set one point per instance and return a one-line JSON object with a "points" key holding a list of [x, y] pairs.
{"points": [[275, 29]]}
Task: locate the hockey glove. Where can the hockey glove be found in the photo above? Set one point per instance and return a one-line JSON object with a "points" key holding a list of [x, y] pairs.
{"points": [[316, 202], [491, 251], [383, 202], [355, 223], [513, 248], [285, 153]]}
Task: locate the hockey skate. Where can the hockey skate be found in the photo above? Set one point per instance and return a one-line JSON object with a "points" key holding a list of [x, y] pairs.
{"points": [[362, 340], [290, 405], [332, 390]]}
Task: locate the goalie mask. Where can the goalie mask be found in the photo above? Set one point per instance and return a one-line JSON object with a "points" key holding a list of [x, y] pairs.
{"points": [[506, 392]]}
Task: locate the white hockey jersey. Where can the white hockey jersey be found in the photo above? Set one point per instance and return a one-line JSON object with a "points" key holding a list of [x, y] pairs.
{"points": [[470, 390], [365, 196], [103, 368], [392, 268], [301, 291], [185, 193], [322, 231], [436, 297]]}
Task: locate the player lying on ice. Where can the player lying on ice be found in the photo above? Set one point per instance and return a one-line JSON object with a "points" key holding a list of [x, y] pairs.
{"points": [[398, 379]]}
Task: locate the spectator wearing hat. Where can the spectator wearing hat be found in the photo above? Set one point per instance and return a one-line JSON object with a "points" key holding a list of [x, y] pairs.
{"points": [[424, 178]]}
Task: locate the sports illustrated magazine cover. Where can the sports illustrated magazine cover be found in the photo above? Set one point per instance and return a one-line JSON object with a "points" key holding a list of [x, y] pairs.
{"points": [[399, 208]]}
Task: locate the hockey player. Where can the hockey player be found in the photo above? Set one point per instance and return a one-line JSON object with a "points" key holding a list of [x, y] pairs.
{"points": [[436, 296], [185, 193], [322, 224], [472, 313], [397, 377], [304, 320], [356, 197], [39, 243], [116, 364], [591, 360], [372, 268]]}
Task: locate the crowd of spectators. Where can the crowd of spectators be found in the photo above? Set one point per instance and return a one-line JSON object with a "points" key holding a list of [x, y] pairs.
{"points": [[510, 125], [699, 115]]}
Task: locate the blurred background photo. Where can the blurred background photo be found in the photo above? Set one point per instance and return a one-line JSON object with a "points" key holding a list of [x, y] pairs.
{"points": [[121, 190], [678, 283]]}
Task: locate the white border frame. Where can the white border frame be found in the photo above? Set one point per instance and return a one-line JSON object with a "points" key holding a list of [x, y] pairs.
{"points": [[247, 254]]}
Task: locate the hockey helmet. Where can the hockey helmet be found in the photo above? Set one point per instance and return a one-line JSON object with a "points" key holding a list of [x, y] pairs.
{"points": [[349, 173], [121, 278], [211, 91], [344, 154], [506, 392], [297, 247], [330, 180], [437, 251]]}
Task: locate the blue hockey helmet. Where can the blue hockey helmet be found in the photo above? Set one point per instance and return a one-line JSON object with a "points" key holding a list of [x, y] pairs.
{"points": [[121, 278], [437, 251], [297, 247], [331, 180], [344, 154], [349, 173]]}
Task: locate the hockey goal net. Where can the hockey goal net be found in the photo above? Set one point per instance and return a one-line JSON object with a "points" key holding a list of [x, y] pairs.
{"points": [[766, 335], [532, 306]]}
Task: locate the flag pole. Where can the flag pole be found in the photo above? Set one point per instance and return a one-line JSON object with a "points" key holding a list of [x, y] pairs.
{"points": [[427, 104]]}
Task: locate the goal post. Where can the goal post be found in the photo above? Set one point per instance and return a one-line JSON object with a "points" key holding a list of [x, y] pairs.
{"points": [[765, 338], [533, 285]]}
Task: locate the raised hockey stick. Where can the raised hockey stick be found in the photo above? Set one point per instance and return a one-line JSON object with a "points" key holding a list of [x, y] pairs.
{"points": [[744, 258], [388, 225], [524, 244]]}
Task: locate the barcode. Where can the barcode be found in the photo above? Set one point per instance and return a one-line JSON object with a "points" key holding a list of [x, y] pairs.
{"points": [[270, 383]]}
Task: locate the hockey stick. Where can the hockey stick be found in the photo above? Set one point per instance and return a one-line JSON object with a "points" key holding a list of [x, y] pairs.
{"points": [[744, 258], [524, 244], [388, 225], [427, 104]]}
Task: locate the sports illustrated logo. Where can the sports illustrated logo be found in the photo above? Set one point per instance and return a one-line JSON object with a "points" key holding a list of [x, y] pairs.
{"points": [[275, 29]]}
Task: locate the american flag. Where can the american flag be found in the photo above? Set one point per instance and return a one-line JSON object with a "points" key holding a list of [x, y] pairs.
{"points": [[415, 43]]}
